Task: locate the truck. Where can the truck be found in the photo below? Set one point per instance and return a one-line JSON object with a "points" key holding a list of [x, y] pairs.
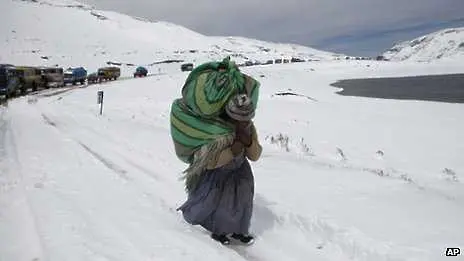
{"points": [[30, 78], [52, 76], [186, 67], [75, 75], [108, 73], [9, 81], [140, 72], [92, 78]]}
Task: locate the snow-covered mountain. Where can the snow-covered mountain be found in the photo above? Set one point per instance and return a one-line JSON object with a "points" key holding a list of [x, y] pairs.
{"points": [[447, 43], [49, 32]]}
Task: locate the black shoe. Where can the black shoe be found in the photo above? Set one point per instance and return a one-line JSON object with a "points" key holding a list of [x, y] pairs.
{"points": [[246, 239], [223, 239]]}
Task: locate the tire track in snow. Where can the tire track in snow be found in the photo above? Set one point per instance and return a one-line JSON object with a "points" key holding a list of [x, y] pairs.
{"points": [[109, 229], [4, 182], [2, 132], [97, 223], [111, 141], [48, 121], [109, 164], [142, 169], [105, 161], [7, 140]]}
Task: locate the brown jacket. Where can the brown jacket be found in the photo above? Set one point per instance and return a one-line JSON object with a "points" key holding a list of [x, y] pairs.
{"points": [[253, 152]]}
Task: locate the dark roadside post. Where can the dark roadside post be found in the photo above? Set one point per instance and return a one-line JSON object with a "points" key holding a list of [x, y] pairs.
{"points": [[100, 101]]}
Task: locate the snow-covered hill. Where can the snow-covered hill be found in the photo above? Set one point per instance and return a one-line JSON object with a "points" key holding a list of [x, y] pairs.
{"points": [[49, 32], [448, 43]]}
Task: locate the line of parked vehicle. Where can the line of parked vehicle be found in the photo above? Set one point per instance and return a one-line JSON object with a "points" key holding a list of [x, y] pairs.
{"points": [[19, 80]]}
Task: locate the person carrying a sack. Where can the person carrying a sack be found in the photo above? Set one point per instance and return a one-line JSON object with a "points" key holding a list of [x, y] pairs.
{"points": [[213, 131]]}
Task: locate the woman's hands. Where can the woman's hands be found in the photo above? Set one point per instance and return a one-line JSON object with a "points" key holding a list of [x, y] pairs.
{"points": [[243, 132]]}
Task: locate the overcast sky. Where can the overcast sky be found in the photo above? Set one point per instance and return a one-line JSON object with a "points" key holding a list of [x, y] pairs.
{"points": [[356, 27]]}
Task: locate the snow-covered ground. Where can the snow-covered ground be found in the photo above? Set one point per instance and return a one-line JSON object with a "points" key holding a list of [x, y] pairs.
{"points": [[341, 178], [444, 44]]}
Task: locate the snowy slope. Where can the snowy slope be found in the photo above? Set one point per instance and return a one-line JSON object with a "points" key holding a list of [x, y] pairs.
{"points": [[68, 33], [448, 43], [341, 178]]}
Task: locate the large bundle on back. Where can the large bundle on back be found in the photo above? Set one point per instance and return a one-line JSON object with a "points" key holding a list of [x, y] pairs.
{"points": [[199, 134]]}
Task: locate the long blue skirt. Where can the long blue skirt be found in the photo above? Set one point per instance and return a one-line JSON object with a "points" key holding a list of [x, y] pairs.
{"points": [[222, 202]]}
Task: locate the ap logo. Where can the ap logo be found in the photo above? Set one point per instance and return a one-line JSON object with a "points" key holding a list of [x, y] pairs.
{"points": [[453, 251]]}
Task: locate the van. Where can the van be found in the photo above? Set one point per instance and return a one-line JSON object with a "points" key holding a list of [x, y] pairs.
{"points": [[75, 75]]}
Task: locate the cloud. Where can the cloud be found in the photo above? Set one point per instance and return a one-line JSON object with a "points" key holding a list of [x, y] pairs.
{"points": [[376, 42], [307, 22]]}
